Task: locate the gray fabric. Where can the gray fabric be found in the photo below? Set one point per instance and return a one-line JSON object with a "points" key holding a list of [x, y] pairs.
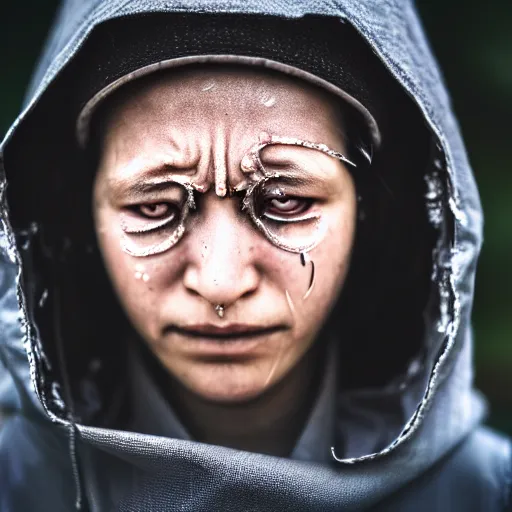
{"points": [[46, 462], [470, 479]]}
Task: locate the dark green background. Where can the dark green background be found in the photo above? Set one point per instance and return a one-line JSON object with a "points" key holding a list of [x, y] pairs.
{"points": [[473, 42]]}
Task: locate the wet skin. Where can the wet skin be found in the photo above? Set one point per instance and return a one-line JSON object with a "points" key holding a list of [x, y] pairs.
{"points": [[195, 127]]}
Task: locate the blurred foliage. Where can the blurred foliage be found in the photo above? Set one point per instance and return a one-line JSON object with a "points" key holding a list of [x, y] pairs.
{"points": [[473, 44]]}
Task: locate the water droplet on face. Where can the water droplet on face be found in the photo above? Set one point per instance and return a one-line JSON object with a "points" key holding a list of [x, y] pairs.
{"points": [[304, 258], [268, 102], [145, 277], [311, 280], [208, 86], [290, 302], [139, 267], [138, 275]]}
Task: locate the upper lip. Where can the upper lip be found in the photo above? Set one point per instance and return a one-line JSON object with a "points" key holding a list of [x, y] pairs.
{"points": [[226, 331]]}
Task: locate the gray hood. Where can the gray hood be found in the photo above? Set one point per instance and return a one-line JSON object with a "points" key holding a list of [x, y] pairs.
{"points": [[391, 433]]}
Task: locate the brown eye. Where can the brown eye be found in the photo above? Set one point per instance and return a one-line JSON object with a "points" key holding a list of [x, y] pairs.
{"points": [[150, 217], [155, 210], [286, 206]]}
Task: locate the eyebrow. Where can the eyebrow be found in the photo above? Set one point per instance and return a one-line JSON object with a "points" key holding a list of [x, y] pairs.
{"points": [[291, 179], [296, 169], [147, 179], [320, 184]]}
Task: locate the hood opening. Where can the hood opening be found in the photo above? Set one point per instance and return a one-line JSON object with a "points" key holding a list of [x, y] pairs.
{"points": [[382, 313]]}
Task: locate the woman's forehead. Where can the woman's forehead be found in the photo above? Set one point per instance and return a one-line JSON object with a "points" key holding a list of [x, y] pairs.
{"points": [[202, 122], [240, 101]]}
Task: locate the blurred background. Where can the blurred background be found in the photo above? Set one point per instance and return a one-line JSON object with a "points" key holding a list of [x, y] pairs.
{"points": [[474, 48]]}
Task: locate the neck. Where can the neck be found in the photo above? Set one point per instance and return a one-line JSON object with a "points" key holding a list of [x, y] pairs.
{"points": [[269, 424]]}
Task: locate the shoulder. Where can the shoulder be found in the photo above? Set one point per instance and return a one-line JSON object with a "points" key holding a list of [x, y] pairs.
{"points": [[474, 477], [35, 472]]}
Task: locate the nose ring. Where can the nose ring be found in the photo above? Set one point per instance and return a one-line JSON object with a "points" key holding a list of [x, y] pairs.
{"points": [[219, 309]]}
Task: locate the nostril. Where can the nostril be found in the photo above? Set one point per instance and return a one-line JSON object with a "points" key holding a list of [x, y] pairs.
{"points": [[247, 294]]}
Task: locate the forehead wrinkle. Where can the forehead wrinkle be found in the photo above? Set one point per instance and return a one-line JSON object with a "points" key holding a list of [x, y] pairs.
{"points": [[135, 187], [140, 167], [220, 153], [163, 150], [140, 184], [140, 172]]}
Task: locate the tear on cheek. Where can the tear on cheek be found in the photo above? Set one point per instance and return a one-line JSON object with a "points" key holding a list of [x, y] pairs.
{"points": [[309, 265], [304, 259], [274, 365], [291, 305]]}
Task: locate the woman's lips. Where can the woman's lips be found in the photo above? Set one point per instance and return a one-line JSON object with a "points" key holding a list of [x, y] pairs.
{"points": [[229, 340], [227, 332]]}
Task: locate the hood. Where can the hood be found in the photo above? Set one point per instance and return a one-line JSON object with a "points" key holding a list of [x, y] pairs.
{"points": [[404, 403]]}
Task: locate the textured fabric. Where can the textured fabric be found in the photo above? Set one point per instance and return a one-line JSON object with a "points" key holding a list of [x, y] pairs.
{"points": [[51, 460], [471, 479]]}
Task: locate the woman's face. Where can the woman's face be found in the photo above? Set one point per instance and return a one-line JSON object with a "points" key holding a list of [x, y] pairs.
{"points": [[205, 196]]}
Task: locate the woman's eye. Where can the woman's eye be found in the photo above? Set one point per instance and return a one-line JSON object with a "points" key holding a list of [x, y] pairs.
{"points": [[286, 206], [155, 210], [150, 217]]}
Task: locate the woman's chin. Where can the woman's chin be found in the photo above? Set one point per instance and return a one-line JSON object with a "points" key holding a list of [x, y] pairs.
{"points": [[227, 383]]}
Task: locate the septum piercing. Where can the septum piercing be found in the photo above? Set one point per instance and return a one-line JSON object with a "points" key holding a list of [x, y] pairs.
{"points": [[219, 309]]}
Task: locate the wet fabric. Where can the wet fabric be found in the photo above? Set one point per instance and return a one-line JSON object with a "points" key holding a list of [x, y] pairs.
{"points": [[408, 430]]}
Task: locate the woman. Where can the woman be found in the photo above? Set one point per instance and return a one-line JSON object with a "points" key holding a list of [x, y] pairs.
{"points": [[248, 239]]}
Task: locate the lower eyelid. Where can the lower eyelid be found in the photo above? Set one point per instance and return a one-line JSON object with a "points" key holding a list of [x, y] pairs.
{"points": [[147, 226], [302, 218]]}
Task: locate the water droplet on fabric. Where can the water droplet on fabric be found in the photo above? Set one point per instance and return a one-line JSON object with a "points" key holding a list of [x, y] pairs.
{"points": [[95, 365], [43, 298]]}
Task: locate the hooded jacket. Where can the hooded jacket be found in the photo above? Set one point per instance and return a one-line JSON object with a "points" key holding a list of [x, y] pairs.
{"points": [[411, 438]]}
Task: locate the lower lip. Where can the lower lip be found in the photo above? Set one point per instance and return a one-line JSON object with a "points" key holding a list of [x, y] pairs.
{"points": [[230, 347]]}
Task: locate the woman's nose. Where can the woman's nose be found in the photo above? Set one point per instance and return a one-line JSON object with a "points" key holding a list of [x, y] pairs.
{"points": [[221, 267]]}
